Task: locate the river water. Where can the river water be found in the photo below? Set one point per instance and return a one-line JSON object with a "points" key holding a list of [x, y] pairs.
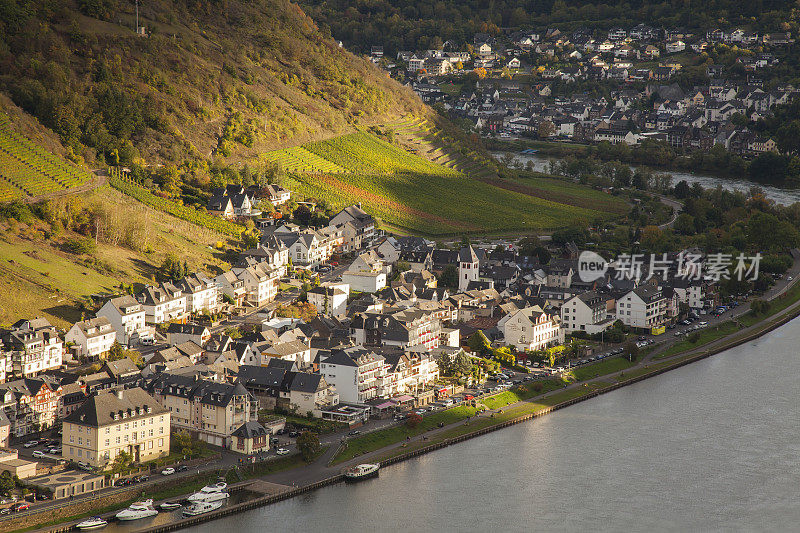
{"points": [[711, 446], [780, 196]]}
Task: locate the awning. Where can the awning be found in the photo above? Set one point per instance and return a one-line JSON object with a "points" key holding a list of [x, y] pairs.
{"points": [[385, 405], [404, 398]]}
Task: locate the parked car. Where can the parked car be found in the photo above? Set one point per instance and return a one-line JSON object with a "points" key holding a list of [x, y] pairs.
{"points": [[22, 506], [5, 510], [182, 468], [31, 443], [354, 432], [294, 434], [282, 451], [38, 453], [168, 471]]}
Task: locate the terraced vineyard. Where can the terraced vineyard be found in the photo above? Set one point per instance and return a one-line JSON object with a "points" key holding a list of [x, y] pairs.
{"points": [[411, 193], [28, 170], [200, 218], [298, 159]]}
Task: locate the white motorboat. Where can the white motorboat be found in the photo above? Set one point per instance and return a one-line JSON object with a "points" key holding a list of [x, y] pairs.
{"points": [[170, 506], [360, 472], [202, 507], [210, 493], [137, 510], [94, 522]]}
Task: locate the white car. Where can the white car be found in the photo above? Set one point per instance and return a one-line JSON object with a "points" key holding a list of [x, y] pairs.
{"points": [[168, 471], [31, 443], [38, 453], [282, 451]]}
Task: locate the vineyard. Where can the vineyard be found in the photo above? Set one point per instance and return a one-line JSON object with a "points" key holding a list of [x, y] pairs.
{"points": [[28, 170], [411, 193], [188, 214]]}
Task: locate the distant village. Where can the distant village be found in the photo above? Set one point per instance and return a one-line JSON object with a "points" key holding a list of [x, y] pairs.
{"points": [[520, 85]]}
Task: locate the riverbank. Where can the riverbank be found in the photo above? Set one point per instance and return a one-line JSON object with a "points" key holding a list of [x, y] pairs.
{"points": [[326, 470]]}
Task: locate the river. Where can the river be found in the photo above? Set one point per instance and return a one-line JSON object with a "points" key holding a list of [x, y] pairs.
{"points": [[714, 445], [780, 196]]}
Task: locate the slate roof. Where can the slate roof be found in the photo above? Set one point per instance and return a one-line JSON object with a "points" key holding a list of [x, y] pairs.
{"points": [[99, 410]]}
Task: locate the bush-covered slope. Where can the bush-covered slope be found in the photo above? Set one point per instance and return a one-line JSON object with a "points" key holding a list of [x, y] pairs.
{"points": [[223, 78]]}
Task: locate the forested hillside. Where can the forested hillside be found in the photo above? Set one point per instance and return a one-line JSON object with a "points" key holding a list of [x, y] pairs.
{"points": [[221, 78], [426, 24]]}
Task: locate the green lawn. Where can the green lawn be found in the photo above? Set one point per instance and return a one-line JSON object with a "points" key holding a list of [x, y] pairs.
{"points": [[706, 336], [521, 393], [607, 366], [378, 439]]}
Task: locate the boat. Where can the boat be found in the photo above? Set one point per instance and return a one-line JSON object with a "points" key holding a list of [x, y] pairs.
{"points": [[137, 510], [210, 493], [360, 472], [202, 507], [529, 151], [94, 522], [170, 506]]}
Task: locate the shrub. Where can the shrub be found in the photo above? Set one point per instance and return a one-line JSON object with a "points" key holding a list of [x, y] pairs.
{"points": [[80, 245]]}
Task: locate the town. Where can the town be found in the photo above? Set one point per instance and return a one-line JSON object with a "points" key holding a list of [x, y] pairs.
{"points": [[622, 86], [344, 324]]}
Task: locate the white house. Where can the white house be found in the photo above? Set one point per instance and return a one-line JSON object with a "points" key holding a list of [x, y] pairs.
{"points": [[358, 374], [201, 293], [260, 284], [585, 312], [330, 300], [366, 274], [93, 337], [643, 307], [163, 303], [675, 47], [126, 316], [531, 329]]}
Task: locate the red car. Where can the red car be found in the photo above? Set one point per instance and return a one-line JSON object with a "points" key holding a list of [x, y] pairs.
{"points": [[21, 507], [469, 397]]}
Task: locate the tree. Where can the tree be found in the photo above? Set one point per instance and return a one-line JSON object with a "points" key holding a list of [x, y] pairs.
{"points": [[122, 463], [449, 277], [6, 483], [632, 350], [413, 420], [759, 307], [308, 445], [478, 343]]}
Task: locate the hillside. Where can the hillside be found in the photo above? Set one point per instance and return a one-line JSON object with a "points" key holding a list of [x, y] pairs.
{"points": [[453, 195], [222, 79]]}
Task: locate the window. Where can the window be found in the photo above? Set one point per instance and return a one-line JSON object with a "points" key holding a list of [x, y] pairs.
{"points": [[108, 442], [160, 442]]}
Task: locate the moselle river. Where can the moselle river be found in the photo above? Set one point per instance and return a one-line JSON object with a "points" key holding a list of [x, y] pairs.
{"points": [[714, 445], [780, 196]]}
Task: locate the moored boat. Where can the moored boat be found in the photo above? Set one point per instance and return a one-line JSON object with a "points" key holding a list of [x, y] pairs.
{"points": [[360, 472], [170, 506], [137, 510], [210, 493], [198, 508], [94, 522]]}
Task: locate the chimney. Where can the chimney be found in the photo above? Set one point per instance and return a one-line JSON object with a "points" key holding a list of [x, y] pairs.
{"points": [[118, 393]]}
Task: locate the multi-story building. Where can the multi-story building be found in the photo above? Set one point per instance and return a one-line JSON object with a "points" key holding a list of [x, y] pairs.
{"points": [[584, 312], [410, 372], [357, 225], [531, 329], [163, 303], [127, 317], [92, 338], [202, 293], [330, 300], [643, 307], [401, 328], [357, 373], [211, 411], [260, 284], [34, 345], [31, 404], [113, 422], [232, 287]]}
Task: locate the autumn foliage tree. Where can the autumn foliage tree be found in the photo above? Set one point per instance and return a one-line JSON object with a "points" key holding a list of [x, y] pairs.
{"points": [[413, 420]]}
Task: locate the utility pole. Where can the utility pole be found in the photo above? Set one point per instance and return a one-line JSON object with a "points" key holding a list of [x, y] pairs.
{"points": [[137, 17]]}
